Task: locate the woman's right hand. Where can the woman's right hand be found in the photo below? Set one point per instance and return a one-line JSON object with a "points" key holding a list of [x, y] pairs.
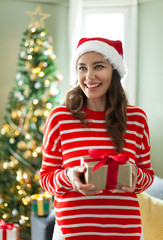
{"points": [[75, 174]]}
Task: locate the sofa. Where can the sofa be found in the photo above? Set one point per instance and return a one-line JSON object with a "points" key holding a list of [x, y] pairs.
{"points": [[151, 205]]}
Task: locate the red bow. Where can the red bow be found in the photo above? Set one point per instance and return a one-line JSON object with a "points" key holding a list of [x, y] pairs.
{"points": [[111, 158], [5, 227]]}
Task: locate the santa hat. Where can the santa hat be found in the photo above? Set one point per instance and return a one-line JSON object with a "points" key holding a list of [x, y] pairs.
{"points": [[111, 50]]}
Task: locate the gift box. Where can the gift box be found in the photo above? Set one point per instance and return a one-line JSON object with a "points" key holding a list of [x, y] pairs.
{"points": [[42, 204], [42, 227], [9, 231], [107, 170]]}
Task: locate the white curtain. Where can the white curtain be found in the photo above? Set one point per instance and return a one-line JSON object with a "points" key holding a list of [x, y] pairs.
{"points": [[74, 26]]}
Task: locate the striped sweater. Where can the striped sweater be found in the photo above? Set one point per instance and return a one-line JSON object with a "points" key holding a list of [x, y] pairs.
{"points": [[107, 215]]}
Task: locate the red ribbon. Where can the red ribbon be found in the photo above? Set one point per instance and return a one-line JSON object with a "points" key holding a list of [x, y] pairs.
{"points": [[4, 226], [112, 159]]}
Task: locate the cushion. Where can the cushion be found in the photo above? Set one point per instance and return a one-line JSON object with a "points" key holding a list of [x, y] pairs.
{"points": [[152, 216], [156, 189]]}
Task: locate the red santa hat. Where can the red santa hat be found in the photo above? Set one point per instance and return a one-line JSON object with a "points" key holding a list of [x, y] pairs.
{"points": [[111, 50]]}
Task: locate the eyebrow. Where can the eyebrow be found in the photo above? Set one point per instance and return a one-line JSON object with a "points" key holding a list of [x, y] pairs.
{"points": [[94, 63]]}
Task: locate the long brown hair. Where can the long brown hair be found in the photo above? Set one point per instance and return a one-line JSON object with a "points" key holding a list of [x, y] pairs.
{"points": [[116, 104]]}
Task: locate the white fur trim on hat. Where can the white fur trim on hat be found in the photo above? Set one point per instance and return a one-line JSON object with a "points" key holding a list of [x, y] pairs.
{"points": [[109, 53]]}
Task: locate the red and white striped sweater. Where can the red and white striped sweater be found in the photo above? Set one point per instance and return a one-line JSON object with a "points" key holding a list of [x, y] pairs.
{"points": [[104, 216]]}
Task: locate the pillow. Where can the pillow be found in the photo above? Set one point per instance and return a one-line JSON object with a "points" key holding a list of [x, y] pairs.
{"points": [[156, 189], [152, 216]]}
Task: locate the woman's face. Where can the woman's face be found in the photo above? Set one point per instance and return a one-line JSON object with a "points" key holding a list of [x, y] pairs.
{"points": [[94, 76]]}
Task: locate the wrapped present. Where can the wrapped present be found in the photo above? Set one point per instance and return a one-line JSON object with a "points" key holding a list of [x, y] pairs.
{"points": [[9, 231], [41, 204], [107, 170]]}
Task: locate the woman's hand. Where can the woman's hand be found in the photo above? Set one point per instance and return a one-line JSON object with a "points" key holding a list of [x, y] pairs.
{"points": [[75, 175], [134, 181]]}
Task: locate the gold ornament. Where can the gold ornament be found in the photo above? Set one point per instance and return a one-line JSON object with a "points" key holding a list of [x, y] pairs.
{"points": [[41, 128], [36, 70], [16, 133], [39, 42], [33, 77], [12, 190], [37, 49], [27, 154], [14, 163], [34, 119], [37, 18], [26, 92], [16, 114], [22, 145], [26, 200], [31, 145], [44, 99], [37, 177]]}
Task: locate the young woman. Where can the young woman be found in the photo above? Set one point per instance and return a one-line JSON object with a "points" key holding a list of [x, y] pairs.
{"points": [[96, 115]]}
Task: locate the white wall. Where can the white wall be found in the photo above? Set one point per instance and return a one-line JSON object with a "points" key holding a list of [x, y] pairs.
{"points": [[150, 74]]}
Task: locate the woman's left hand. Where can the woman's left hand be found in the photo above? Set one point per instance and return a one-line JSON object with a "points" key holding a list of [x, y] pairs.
{"points": [[125, 188]]}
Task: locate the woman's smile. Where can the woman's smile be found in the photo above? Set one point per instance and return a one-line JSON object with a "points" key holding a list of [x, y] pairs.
{"points": [[92, 86]]}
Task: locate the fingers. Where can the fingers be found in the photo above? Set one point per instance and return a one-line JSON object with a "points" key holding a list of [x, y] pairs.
{"points": [[117, 190], [75, 175], [85, 189]]}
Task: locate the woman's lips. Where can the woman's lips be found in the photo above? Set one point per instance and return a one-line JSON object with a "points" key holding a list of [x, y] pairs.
{"points": [[91, 86]]}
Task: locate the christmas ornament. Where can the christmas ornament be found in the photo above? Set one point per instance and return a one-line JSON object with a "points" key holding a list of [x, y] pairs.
{"points": [[37, 85], [22, 145], [27, 154], [15, 212]]}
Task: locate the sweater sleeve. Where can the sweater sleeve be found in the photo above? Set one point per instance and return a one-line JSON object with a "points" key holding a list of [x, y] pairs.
{"points": [[145, 173], [53, 176]]}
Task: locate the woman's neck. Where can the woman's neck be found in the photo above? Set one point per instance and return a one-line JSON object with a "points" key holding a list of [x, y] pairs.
{"points": [[95, 105]]}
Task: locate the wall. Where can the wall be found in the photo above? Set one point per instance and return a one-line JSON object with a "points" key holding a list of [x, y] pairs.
{"points": [[150, 74], [13, 22]]}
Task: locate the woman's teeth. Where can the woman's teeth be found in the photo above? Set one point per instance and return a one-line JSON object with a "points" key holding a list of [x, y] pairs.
{"points": [[93, 85]]}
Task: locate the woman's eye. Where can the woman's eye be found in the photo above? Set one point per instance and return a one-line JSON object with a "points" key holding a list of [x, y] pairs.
{"points": [[82, 68], [98, 66]]}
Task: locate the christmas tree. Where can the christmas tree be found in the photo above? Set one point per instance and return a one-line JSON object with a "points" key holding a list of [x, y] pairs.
{"points": [[34, 95]]}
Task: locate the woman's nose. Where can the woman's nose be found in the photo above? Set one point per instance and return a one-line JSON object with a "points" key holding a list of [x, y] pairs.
{"points": [[90, 75]]}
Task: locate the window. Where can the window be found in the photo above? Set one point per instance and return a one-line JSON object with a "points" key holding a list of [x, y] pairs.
{"points": [[115, 22]]}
